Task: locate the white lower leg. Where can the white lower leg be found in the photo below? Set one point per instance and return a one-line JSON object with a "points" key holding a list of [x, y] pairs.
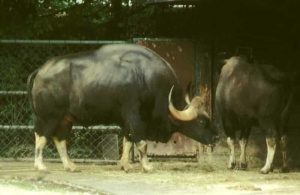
{"points": [[283, 144], [243, 162], [62, 150], [271, 147], [232, 161], [142, 147], [124, 161], [40, 142]]}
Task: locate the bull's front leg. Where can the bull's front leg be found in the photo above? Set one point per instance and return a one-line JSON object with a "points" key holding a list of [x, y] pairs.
{"points": [[271, 148], [243, 141], [137, 131], [142, 148], [243, 161], [232, 161], [62, 150], [124, 161]]}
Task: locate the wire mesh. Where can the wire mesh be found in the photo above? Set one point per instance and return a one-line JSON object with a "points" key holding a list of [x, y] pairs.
{"points": [[17, 60]]}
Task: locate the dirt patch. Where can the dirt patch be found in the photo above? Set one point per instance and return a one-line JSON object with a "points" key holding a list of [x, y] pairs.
{"points": [[21, 185], [245, 187], [168, 177]]}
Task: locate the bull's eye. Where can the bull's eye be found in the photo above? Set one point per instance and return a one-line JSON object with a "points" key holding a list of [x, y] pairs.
{"points": [[202, 122]]}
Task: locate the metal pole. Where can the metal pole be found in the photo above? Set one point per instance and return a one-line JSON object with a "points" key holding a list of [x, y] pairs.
{"points": [[84, 42], [104, 129], [13, 93]]}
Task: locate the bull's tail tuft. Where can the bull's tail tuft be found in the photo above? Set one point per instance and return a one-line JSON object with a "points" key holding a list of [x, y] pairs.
{"points": [[30, 80]]}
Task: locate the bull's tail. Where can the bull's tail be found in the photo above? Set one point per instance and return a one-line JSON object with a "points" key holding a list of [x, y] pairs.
{"points": [[30, 80]]}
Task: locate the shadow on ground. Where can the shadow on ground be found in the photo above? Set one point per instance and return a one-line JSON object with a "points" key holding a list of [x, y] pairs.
{"points": [[168, 178]]}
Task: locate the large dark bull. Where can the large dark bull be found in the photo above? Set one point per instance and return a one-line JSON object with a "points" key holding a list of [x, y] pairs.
{"points": [[125, 85], [250, 95]]}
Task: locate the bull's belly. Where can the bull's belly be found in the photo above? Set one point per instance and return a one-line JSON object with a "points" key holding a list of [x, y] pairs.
{"points": [[94, 116]]}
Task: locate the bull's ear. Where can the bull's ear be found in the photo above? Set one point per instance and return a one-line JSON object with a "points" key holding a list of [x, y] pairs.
{"points": [[204, 113], [187, 99]]}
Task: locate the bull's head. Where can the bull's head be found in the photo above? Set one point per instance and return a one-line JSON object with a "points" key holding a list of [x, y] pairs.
{"points": [[195, 121]]}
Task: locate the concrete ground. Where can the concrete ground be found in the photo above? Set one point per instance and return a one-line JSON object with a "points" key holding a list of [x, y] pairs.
{"points": [[169, 177]]}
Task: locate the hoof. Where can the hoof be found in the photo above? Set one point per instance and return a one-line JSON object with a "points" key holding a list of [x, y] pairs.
{"points": [[125, 167], [40, 167], [231, 166], [71, 168], [243, 166], [284, 170], [264, 171], [147, 168]]}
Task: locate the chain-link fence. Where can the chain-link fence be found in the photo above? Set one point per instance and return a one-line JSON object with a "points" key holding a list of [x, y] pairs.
{"points": [[18, 59]]}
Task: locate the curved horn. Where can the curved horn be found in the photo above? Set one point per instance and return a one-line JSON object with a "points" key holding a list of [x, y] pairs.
{"points": [[187, 92], [206, 114], [187, 99], [186, 115]]}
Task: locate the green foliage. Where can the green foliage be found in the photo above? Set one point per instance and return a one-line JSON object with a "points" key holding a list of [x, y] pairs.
{"points": [[17, 151], [64, 19], [88, 19], [124, 19]]}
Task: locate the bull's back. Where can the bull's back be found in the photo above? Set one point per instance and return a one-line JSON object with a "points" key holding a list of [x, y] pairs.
{"points": [[95, 86], [244, 90]]}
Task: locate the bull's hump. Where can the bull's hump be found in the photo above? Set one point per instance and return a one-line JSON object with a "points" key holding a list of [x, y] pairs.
{"points": [[133, 55], [121, 49], [229, 67], [53, 67]]}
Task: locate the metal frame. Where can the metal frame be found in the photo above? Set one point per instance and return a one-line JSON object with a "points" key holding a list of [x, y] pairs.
{"points": [[81, 42], [102, 128]]}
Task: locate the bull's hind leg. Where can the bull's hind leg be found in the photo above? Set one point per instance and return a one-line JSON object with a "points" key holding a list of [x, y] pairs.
{"points": [[243, 141], [59, 138], [283, 145], [232, 161], [43, 129], [271, 147], [229, 124], [124, 161], [271, 134], [40, 142]]}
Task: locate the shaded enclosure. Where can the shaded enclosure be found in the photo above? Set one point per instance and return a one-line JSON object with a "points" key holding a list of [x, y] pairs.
{"points": [[193, 60], [194, 36]]}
